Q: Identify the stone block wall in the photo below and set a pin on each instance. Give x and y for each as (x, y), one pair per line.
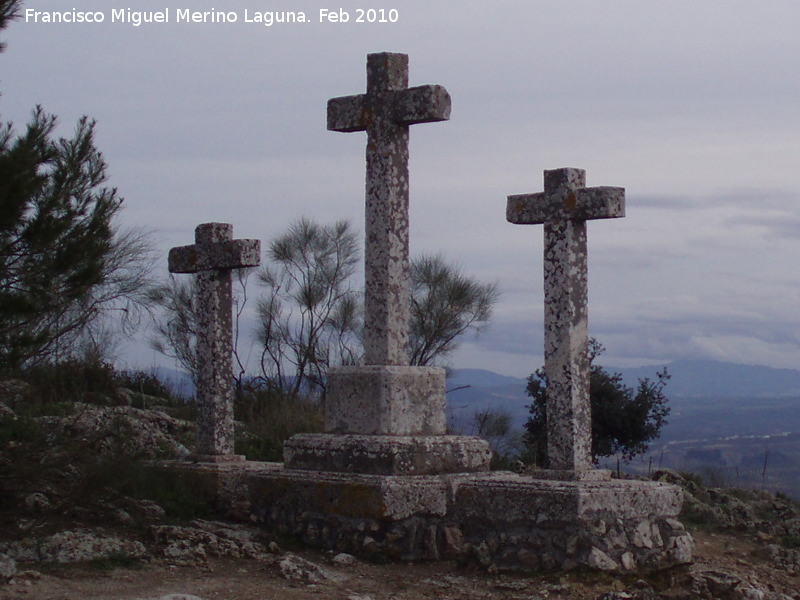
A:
(500, 521)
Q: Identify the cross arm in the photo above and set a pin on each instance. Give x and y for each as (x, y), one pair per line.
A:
(526, 209)
(422, 104)
(233, 254)
(348, 113)
(583, 204)
(600, 203)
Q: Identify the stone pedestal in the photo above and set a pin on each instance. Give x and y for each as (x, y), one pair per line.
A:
(386, 454)
(500, 521)
(571, 475)
(534, 524)
(386, 400)
(386, 420)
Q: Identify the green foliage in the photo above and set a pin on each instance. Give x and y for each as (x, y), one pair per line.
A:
(175, 333)
(692, 478)
(445, 304)
(624, 420)
(495, 426)
(270, 416)
(54, 230)
(72, 380)
(64, 264)
(8, 10)
(22, 430)
(88, 467)
(790, 541)
(308, 316)
(180, 494)
(145, 383)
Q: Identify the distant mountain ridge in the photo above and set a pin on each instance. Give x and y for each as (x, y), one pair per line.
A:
(710, 378)
(720, 390)
(688, 378)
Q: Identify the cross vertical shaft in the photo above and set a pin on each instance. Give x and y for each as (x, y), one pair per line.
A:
(387, 280)
(212, 258)
(385, 112)
(564, 207)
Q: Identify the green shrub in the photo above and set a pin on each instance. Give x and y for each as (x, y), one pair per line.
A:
(72, 380)
(270, 417)
(180, 494)
(791, 541)
(692, 478)
(21, 430)
(145, 383)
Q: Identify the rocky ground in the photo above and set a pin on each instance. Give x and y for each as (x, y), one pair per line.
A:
(73, 525)
(727, 567)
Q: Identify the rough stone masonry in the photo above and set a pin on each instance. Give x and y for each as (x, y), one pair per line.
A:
(212, 258)
(564, 207)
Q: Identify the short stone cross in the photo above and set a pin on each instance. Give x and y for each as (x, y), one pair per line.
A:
(212, 257)
(564, 207)
(385, 113)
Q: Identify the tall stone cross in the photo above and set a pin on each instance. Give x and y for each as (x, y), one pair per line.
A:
(564, 207)
(212, 257)
(385, 113)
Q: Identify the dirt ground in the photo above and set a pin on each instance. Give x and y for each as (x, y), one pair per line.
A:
(258, 580)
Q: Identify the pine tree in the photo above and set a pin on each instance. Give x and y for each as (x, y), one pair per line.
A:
(63, 261)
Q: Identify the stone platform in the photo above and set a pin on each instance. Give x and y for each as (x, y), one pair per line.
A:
(387, 454)
(499, 520)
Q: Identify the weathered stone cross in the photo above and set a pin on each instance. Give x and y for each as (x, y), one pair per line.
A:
(385, 113)
(564, 208)
(212, 257)
(387, 417)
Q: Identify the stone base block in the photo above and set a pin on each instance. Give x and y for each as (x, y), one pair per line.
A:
(219, 458)
(387, 455)
(565, 475)
(500, 521)
(386, 400)
(617, 525)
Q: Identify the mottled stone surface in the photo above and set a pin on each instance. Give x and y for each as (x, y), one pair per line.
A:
(618, 526)
(212, 257)
(385, 112)
(386, 396)
(564, 207)
(394, 400)
(501, 521)
(387, 454)
(526, 498)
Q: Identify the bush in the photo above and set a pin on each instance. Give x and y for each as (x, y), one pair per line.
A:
(624, 420)
(72, 380)
(145, 383)
(270, 417)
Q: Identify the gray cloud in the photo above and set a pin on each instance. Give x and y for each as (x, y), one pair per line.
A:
(687, 106)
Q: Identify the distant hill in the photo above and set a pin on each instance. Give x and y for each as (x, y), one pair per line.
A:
(736, 424)
(711, 378)
(707, 398)
(476, 390)
(178, 381)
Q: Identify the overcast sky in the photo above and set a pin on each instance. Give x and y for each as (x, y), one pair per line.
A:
(693, 107)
